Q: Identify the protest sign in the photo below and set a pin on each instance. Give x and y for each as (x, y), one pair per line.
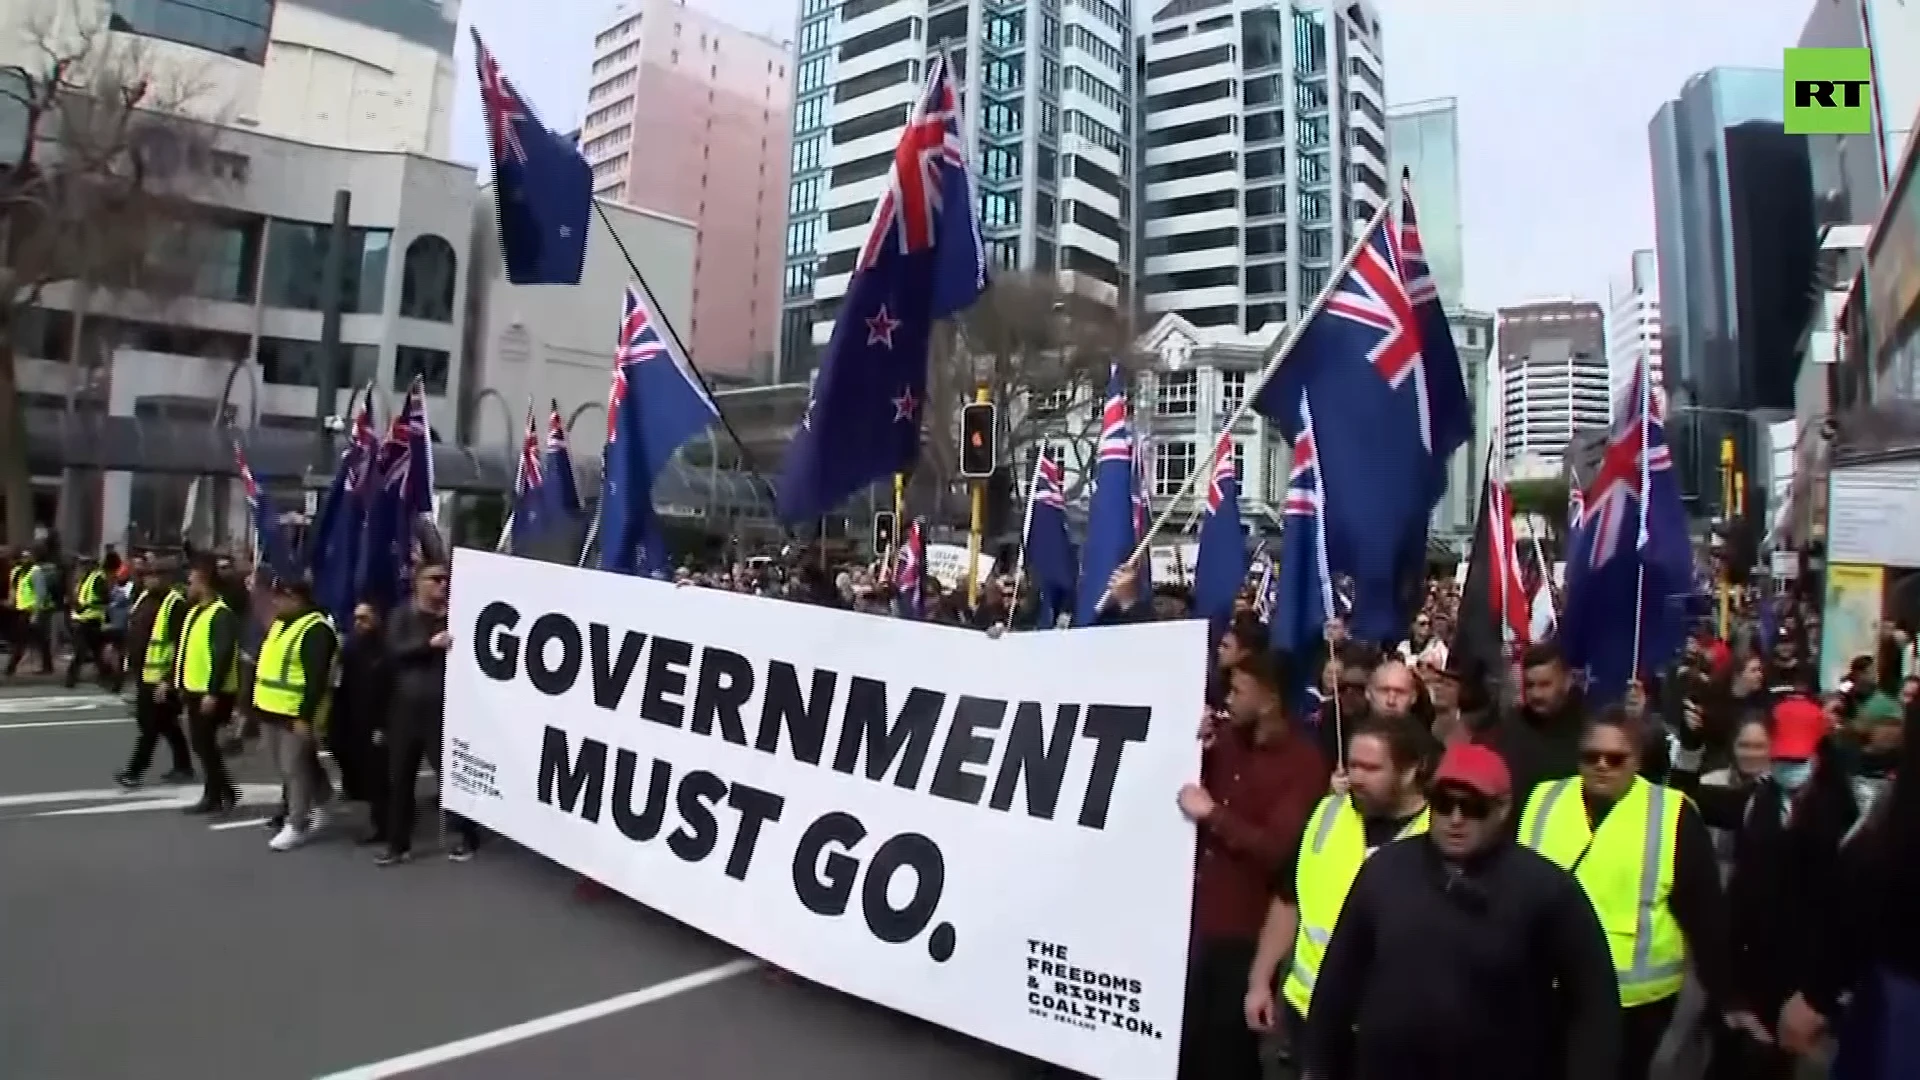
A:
(980, 832)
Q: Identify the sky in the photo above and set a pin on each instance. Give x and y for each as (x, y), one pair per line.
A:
(1554, 100)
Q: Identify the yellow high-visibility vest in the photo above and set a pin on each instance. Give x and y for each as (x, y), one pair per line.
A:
(1626, 869)
(1332, 850)
(90, 602)
(280, 678)
(160, 647)
(24, 597)
(195, 670)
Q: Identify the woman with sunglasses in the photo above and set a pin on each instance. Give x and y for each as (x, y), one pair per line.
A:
(1646, 861)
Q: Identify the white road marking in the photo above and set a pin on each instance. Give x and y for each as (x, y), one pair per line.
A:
(167, 799)
(151, 798)
(35, 725)
(45, 798)
(243, 823)
(66, 703)
(492, 1040)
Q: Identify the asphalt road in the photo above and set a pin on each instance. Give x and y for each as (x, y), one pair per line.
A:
(136, 942)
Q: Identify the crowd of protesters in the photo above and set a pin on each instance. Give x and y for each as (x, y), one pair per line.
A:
(1416, 868)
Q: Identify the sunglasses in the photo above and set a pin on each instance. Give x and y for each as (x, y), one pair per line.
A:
(1473, 807)
(1611, 759)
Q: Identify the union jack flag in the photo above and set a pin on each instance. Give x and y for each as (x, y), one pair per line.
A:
(362, 445)
(930, 145)
(909, 570)
(1637, 450)
(531, 465)
(1375, 297)
(639, 342)
(408, 431)
(1116, 436)
(1303, 479)
(1223, 473)
(504, 108)
(1049, 483)
(556, 432)
(247, 482)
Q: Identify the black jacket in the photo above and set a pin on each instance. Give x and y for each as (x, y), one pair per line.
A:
(1493, 971)
(366, 679)
(419, 670)
(1537, 747)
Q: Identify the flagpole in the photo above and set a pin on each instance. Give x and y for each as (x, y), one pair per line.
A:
(1640, 541)
(1026, 528)
(640, 282)
(1270, 364)
(519, 477)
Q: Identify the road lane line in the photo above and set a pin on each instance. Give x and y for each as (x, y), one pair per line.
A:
(31, 725)
(492, 1040)
(243, 823)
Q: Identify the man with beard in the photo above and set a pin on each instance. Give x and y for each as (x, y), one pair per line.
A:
(1381, 800)
(1541, 741)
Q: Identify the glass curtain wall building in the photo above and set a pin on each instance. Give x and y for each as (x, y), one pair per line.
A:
(1048, 95)
(1693, 244)
(1423, 139)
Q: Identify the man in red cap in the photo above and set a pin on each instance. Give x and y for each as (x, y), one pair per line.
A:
(1460, 955)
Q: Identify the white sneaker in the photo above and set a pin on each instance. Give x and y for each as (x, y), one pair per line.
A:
(316, 819)
(287, 839)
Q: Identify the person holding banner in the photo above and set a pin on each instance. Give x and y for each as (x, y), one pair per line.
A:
(1259, 781)
(417, 645)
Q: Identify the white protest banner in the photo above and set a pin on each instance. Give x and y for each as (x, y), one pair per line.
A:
(979, 832)
(947, 564)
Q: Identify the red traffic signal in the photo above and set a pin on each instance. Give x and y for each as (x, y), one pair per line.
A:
(977, 443)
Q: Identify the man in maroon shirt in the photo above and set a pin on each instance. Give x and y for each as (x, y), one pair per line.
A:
(1259, 782)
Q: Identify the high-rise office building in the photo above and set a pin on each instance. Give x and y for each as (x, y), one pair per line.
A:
(1049, 114)
(688, 116)
(1265, 144)
(1553, 380)
(1633, 322)
(1423, 140)
(1734, 241)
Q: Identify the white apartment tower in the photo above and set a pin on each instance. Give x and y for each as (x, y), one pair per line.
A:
(1047, 91)
(1633, 322)
(1553, 381)
(1264, 147)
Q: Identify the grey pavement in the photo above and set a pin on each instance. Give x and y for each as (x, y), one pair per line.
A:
(137, 942)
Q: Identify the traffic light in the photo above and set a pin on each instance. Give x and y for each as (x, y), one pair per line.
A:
(976, 440)
(882, 530)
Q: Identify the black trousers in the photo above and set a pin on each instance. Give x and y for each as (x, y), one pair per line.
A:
(362, 765)
(88, 638)
(1641, 1030)
(32, 630)
(157, 720)
(1216, 1043)
(203, 732)
(407, 750)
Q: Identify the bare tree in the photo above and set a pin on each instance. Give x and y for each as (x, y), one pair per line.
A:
(96, 193)
(1040, 352)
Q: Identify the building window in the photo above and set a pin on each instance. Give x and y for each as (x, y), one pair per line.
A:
(431, 365)
(236, 28)
(293, 362)
(426, 279)
(1233, 390)
(1173, 462)
(804, 196)
(297, 258)
(1177, 393)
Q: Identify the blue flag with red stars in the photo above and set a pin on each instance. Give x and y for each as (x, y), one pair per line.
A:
(923, 260)
(542, 186)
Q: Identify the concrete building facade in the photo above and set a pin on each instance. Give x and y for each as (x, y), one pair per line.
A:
(689, 116)
(1264, 150)
(1633, 322)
